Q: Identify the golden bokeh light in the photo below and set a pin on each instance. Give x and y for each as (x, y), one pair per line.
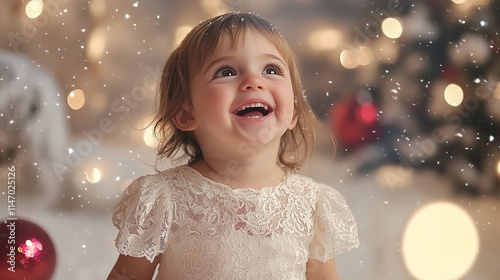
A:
(149, 137)
(392, 28)
(365, 55)
(94, 176)
(96, 44)
(34, 8)
(348, 59)
(181, 32)
(475, 3)
(464, 7)
(326, 39)
(353, 57)
(453, 94)
(498, 168)
(76, 99)
(97, 8)
(440, 242)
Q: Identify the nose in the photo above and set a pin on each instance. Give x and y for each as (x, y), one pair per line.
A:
(252, 82)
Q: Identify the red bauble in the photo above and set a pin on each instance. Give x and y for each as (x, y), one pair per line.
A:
(354, 122)
(26, 251)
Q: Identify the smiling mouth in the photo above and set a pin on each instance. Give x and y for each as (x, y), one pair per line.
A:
(253, 110)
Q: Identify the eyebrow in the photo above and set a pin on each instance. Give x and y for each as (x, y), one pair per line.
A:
(228, 57)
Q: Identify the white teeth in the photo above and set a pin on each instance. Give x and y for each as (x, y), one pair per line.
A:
(253, 105)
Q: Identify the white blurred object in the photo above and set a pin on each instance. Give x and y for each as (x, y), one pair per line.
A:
(33, 129)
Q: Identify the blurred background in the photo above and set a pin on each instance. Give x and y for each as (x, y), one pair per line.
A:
(410, 89)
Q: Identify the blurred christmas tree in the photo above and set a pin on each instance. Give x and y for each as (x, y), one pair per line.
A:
(434, 102)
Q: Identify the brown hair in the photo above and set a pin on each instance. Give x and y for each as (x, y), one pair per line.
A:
(184, 62)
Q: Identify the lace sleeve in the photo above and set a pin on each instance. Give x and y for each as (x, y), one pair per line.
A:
(335, 229)
(142, 217)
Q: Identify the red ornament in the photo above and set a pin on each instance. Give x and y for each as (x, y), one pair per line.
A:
(354, 121)
(26, 251)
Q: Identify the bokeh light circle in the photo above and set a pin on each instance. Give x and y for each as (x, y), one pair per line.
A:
(76, 99)
(34, 8)
(453, 94)
(94, 176)
(392, 28)
(440, 242)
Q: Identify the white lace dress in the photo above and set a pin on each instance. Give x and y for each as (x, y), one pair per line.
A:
(206, 230)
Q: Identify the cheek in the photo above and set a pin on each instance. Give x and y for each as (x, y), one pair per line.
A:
(217, 98)
(288, 103)
(210, 102)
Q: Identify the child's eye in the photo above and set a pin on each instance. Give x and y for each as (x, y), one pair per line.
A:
(273, 69)
(224, 71)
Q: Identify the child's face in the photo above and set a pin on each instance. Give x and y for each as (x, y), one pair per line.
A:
(242, 95)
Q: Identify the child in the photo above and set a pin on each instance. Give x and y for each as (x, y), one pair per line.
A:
(231, 100)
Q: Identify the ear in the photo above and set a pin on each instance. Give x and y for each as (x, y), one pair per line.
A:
(185, 121)
(295, 118)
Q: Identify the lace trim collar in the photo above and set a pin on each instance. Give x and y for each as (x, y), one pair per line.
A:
(285, 181)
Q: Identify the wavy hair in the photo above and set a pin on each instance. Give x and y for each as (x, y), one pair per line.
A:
(296, 145)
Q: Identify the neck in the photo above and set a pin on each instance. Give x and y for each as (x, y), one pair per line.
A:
(257, 171)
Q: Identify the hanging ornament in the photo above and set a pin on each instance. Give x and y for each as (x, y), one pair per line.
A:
(26, 251)
(354, 120)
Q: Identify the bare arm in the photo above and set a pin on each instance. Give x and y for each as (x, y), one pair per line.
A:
(318, 270)
(131, 268)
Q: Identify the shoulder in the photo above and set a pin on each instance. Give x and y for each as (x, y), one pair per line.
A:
(156, 183)
(143, 215)
(335, 226)
(304, 183)
(146, 194)
(307, 181)
(299, 180)
(325, 197)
